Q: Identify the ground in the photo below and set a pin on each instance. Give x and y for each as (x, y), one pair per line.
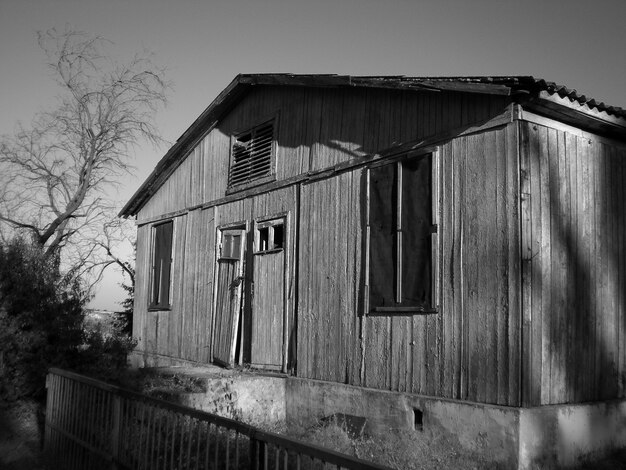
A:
(20, 436)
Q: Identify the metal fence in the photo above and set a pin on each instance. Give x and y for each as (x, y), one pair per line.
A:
(95, 425)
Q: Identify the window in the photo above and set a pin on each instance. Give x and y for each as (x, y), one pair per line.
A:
(252, 156)
(231, 245)
(401, 228)
(269, 236)
(161, 265)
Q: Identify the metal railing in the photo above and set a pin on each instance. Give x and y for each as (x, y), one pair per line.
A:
(94, 425)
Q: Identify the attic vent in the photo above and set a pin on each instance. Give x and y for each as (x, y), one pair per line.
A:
(252, 156)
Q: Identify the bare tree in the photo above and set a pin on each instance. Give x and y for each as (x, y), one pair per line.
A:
(55, 174)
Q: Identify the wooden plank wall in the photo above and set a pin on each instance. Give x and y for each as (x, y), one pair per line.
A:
(142, 288)
(463, 352)
(470, 349)
(329, 279)
(185, 330)
(318, 128)
(574, 266)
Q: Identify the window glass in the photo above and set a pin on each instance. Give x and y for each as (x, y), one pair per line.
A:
(161, 265)
(400, 220)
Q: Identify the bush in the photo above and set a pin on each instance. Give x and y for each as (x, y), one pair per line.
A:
(41, 313)
(41, 324)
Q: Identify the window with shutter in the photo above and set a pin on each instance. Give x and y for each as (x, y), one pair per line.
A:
(252, 157)
(161, 265)
(401, 229)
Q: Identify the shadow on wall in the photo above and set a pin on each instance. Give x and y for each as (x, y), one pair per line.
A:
(578, 267)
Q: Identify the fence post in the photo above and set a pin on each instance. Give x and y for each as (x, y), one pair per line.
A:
(257, 453)
(116, 431)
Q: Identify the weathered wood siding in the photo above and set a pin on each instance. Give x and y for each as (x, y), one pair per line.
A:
(470, 349)
(185, 331)
(318, 128)
(574, 268)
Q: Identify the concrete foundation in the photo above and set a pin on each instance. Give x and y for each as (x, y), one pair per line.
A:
(522, 438)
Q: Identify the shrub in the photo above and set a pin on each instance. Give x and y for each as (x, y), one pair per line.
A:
(41, 312)
(41, 325)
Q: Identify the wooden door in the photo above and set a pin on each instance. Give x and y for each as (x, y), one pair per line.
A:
(268, 294)
(230, 260)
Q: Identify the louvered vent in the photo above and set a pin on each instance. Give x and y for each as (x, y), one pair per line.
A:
(252, 155)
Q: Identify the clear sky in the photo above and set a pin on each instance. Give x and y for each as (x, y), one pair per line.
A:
(204, 44)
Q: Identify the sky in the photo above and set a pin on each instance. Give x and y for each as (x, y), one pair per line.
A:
(204, 44)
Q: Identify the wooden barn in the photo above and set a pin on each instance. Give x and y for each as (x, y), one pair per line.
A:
(460, 238)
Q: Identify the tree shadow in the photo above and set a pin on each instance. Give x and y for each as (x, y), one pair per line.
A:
(578, 268)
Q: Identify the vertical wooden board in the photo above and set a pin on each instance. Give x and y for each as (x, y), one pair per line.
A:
(193, 290)
(445, 232)
(457, 264)
(377, 353)
(571, 363)
(370, 121)
(267, 309)
(472, 252)
(142, 273)
(616, 224)
(199, 301)
(396, 118)
(303, 283)
(536, 260)
(450, 275)
(546, 348)
(557, 168)
(619, 223)
(588, 312)
(351, 137)
(172, 323)
(345, 281)
(188, 278)
(622, 254)
(514, 265)
(581, 271)
(526, 258)
(491, 227)
(603, 316)
(308, 313)
(314, 102)
(431, 346)
(327, 153)
(419, 354)
(292, 156)
(398, 346)
(501, 272)
(357, 239)
(470, 249)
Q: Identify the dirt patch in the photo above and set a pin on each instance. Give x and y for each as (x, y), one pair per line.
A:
(21, 425)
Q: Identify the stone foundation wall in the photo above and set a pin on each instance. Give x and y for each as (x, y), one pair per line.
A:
(522, 438)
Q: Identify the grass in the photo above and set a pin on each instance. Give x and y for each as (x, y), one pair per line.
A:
(397, 449)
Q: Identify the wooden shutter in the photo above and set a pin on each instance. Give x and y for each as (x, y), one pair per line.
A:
(252, 153)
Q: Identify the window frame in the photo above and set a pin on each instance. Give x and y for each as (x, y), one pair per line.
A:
(434, 306)
(269, 223)
(234, 188)
(155, 304)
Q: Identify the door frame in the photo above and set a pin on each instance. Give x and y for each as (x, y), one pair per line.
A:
(287, 247)
(239, 225)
